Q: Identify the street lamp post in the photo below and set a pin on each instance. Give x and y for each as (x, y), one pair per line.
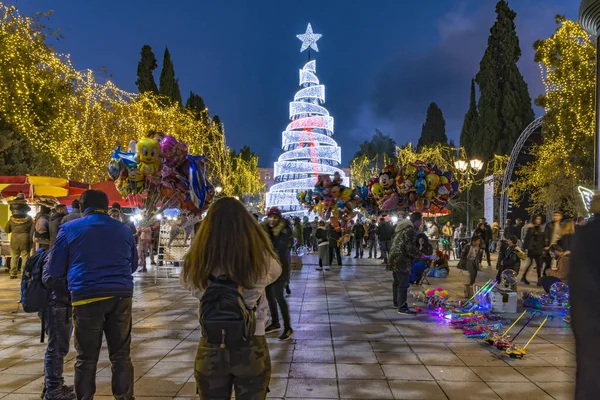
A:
(468, 170)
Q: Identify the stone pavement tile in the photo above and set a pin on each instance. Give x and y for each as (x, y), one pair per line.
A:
(11, 340)
(20, 352)
(305, 344)
(306, 356)
(180, 355)
(560, 360)
(545, 349)
(280, 369)
(36, 386)
(499, 374)
(8, 362)
(312, 370)
(312, 388)
(188, 389)
(422, 347)
(544, 374)
(168, 368)
(456, 374)
(21, 396)
(355, 357)
(167, 386)
(518, 391)
(440, 359)
(148, 354)
(395, 346)
(352, 345)
(571, 371)
(407, 372)
(365, 389)
(527, 361)
(397, 358)
(9, 383)
(560, 390)
(488, 360)
(410, 390)
(468, 391)
(277, 388)
(359, 371)
(26, 367)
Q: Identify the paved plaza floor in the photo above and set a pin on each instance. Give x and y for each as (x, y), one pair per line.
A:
(349, 343)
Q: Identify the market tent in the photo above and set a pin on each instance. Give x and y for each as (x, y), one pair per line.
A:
(113, 194)
(41, 186)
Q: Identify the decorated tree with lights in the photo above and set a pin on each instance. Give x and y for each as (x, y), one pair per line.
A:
(565, 158)
(309, 149)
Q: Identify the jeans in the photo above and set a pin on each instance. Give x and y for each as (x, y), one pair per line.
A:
(59, 328)
(485, 249)
(385, 246)
(247, 369)
(400, 289)
(335, 248)
(359, 247)
(472, 268)
(538, 266)
(276, 298)
(16, 254)
(113, 318)
(372, 247)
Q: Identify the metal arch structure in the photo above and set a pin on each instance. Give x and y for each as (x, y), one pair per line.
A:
(514, 154)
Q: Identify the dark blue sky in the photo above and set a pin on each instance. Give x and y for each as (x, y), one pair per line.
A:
(382, 62)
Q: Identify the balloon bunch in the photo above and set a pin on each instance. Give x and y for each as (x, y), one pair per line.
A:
(413, 187)
(331, 200)
(162, 174)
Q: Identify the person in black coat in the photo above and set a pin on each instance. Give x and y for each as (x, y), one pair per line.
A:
(584, 278)
(334, 235)
(484, 231)
(534, 244)
(510, 258)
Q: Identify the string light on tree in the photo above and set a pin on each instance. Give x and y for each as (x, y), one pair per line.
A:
(307, 142)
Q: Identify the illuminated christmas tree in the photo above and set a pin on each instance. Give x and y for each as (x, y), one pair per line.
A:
(307, 143)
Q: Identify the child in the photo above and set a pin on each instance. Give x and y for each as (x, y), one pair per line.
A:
(469, 262)
(510, 258)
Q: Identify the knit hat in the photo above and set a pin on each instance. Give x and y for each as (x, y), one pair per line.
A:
(274, 211)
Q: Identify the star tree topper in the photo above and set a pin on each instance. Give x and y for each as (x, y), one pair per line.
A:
(309, 39)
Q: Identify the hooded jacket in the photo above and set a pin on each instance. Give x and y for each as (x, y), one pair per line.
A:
(54, 225)
(20, 230)
(404, 247)
(281, 239)
(97, 255)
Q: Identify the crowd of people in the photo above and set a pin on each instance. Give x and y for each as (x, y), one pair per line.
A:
(238, 267)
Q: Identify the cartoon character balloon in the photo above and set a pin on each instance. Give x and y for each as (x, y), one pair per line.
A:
(148, 156)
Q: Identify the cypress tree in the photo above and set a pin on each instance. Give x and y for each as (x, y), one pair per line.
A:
(169, 87)
(146, 66)
(504, 104)
(195, 103)
(469, 128)
(434, 128)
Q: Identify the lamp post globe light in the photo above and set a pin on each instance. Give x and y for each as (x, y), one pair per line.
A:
(467, 171)
(589, 18)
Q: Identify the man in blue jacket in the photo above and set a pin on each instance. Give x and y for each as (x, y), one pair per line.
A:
(97, 255)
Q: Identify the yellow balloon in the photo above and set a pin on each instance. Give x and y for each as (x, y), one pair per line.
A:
(443, 180)
(432, 181)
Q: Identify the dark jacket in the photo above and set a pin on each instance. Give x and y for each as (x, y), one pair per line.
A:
(321, 235)
(534, 241)
(427, 247)
(404, 249)
(509, 230)
(584, 280)
(517, 231)
(96, 254)
(54, 225)
(333, 236)
(462, 263)
(75, 214)
(20, 230)
(281, 238)
(510, 259)
(372, 232)
(359, 231)
(385, 231)
(307, 231)
(548, 230)
(566, 242)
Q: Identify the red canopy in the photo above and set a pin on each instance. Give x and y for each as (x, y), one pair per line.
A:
(113, 194)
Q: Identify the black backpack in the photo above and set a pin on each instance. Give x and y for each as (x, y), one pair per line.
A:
(34, 295)
(224, 317)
